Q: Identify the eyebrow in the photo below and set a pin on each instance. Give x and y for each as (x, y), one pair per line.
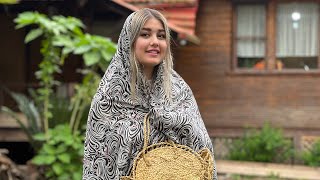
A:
(149, 29)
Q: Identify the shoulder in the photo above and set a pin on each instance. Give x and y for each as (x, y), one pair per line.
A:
(179, 83)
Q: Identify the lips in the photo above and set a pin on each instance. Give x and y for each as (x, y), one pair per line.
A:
(153, 51)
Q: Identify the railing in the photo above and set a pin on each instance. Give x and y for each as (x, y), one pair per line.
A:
(64, 90)
(10, 130)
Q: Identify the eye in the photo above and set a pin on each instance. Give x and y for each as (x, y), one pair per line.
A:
(144, 35)
(162, 36)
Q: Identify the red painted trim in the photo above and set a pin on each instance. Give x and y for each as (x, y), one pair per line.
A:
(177, 19)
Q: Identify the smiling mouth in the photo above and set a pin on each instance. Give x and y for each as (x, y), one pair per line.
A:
(153, 52)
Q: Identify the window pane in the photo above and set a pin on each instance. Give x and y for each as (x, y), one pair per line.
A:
(256, 63)
(297, 35)
(305, 63)
(251, 21)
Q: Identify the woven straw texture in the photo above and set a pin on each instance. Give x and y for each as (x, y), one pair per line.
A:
(170, 161)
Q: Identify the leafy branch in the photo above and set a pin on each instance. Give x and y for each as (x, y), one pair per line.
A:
(62, 36)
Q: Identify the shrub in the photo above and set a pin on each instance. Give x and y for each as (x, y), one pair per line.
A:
(312, 157)
(265, 145)
(61, 153)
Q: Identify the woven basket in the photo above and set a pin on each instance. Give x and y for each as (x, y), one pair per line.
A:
(170, 161)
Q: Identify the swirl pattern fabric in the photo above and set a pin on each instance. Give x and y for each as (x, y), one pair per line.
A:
(114, 133)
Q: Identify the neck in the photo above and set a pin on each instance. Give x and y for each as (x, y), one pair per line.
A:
(148, 72)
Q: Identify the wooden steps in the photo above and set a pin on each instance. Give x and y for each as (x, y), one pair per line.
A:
(10, 130)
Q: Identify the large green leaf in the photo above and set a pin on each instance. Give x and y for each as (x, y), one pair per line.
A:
(40, 137)
(82, 49)
(91, 58)
(57, 168)
(43, 159)
(77, 175)
(107, 55)
(24, 19)
(65, 158)
(63, 41)
(46, 23)
(70, 23)
(33, 34)
(28, 108)
(49, 149)
(66, 50)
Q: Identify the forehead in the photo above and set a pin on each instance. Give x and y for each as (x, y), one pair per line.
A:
(153, 23)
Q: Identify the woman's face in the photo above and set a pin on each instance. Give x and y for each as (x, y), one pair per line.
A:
(150, 46)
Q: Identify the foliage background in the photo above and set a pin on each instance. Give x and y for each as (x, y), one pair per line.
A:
(55, 126)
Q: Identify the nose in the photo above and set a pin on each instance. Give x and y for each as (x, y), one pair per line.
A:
(154, 41)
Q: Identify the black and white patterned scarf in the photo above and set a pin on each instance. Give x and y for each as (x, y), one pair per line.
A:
(115, 123)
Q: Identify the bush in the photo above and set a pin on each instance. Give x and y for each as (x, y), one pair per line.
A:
(312, 157)
(265, 145)
(61, 153)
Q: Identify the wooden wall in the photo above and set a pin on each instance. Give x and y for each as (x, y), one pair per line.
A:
(229, 101)
(12, 64)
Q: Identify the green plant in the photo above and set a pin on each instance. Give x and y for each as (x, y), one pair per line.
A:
(273, 176)
(81, 100)
(62, 36)
(240, 177)
(61, 153)
(266, 145)
(60, 149)
(9, 1)
(60, 109)
(312, 157)
(52, 60)
(30, 110)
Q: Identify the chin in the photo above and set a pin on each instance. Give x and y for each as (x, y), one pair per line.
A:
(153, 62)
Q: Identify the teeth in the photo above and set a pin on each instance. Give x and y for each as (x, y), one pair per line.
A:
(153, 51)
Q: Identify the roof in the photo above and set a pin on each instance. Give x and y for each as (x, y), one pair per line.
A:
(181, 14)
(162, 1)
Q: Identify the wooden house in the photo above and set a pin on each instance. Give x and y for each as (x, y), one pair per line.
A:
(256, 61)
(247, 61)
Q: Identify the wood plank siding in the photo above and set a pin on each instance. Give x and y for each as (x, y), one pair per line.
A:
(229, 100)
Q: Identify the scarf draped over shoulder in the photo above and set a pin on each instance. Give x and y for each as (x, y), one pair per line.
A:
(114, 133)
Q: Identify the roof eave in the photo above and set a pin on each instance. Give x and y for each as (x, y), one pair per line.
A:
(182, 33)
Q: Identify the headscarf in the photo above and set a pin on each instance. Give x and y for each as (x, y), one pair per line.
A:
(114, 133)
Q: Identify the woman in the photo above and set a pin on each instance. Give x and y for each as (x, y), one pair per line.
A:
(140, 80)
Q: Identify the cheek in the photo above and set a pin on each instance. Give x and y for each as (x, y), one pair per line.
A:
(164, 48)
(140, 43)
(138, 47)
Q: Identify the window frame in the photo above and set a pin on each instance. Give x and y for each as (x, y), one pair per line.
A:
(270, 39)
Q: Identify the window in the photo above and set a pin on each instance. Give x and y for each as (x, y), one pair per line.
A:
(276, 36)
(297, 35)
(250, 35)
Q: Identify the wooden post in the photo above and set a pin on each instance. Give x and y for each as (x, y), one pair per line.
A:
(271, 35)
(234, 61)
(318, 53)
